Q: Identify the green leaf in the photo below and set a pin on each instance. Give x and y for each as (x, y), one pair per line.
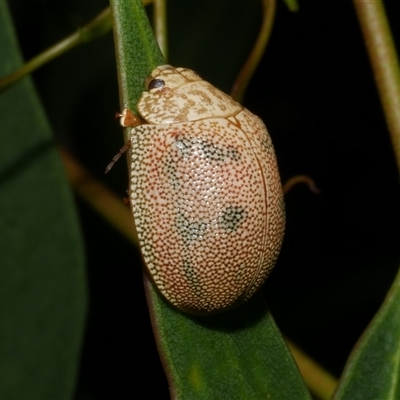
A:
(373, 370)
(42, 293)
(136, 49)
(239, 354)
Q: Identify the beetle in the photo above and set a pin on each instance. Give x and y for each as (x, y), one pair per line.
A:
(205, 192)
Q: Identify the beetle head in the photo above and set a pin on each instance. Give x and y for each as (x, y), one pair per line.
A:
(166, 77)
(179, 95)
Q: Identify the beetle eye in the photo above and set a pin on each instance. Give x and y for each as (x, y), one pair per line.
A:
(155, 84)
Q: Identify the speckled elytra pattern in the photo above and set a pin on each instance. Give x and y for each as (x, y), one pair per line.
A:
(205, 193)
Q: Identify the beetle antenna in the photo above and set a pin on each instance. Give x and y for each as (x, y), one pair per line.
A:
(122, 150)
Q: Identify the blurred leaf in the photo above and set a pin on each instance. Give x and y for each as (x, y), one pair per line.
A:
(42, 293)
(292, 5)
(238, 354)
(373, 370)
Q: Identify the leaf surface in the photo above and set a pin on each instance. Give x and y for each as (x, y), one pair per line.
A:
(373, 369)
(42, 292)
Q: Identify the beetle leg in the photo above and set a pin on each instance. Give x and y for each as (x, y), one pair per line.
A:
(122, 150)
(127, 119)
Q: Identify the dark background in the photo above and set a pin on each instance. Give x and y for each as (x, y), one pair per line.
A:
(315, 91)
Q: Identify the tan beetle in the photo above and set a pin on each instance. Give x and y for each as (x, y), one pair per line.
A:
(205, 192)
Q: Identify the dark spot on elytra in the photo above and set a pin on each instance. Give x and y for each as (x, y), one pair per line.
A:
(232, 217)
(170, 170)
(184, 145)
(188, 268)
(190, 231)
(192, 278)
(209, 150)
(216, 153)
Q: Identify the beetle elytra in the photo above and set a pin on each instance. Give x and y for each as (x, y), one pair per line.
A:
(205, 192)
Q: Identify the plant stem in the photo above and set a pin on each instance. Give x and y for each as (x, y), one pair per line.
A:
(247, 71)
(99, 197)
(96, 28)
(384, 62)
(320, 382)
(295, 180)
(160, 26)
